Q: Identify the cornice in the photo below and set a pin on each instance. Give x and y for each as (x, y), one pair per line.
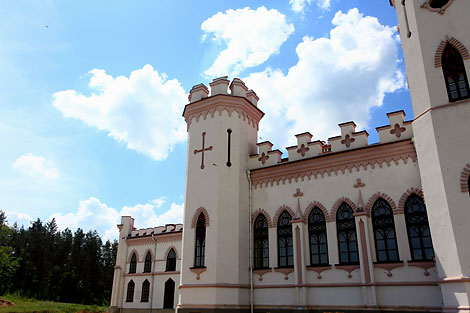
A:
(337, 163)
(160, 238)
(219, 103)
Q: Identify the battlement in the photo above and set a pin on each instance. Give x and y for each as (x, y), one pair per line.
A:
(127, 228)
(350, 139)
(221, 86)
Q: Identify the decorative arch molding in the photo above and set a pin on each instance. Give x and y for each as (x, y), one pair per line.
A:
(404, 197)
(196, 215)
(441, 10)
(314, 204)
(377, 196)
(151, 254)
(464, 176)
(455, 43)
(281, 209)
(165, 256)
(338, 204)
(129, 257)
(255, 214)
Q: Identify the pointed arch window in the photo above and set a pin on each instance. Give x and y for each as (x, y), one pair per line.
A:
(148, 263)
(284, 240)
(347, 237)
(145, 291)
(171, 261)
(384, 232)
(317, 237)
(417, 225)
(200, 249)
(261, 242)
(454, 74)
(130, 291)
(133, 264)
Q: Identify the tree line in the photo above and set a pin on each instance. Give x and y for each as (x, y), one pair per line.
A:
(44, 263)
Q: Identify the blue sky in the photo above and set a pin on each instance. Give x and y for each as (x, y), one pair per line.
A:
(91, 93)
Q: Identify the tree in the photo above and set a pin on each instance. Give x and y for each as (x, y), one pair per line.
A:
(8, 261)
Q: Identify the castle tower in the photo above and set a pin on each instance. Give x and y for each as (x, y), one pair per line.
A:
(435, 38)
(222, 134)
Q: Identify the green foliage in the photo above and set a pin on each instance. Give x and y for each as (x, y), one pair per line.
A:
(23, 304)
(44, 263)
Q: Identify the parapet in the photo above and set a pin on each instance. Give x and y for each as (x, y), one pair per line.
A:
(220, 86)
(350, 139)
(156, 231)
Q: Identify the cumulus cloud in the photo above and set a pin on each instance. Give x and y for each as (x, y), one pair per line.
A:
(36, 166)
(18, 217)
(142, 110)
(299, 5)
(336, 79)
(251, 36)
(92, 214)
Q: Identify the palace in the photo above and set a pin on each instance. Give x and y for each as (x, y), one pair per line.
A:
(341, 225)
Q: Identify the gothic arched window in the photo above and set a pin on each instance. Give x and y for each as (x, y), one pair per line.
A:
(454, 74)
(417, 225)
(130, 291)
(148, 263)
(284, 240)
(347, 237)
(200, 250)
(145, 291)
(317, 237)
(384, 232)
(261, 242)
(171, 261)
(133, 265)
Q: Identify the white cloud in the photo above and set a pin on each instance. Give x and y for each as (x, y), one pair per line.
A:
(142, 110)
(251, 36)
(299, 5)
(36, 166)
(18, 217)
(92, 214)
(336, 79)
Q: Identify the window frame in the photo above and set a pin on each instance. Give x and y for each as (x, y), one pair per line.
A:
(261, 235)
(385, 223)
(145, 295)
(148, 262)
(344, 206)
(133, 264)
(424, 223)
(317, 228)
(130, 292)
(451, 66)
(284, 232)
(200, 242)
(171, 261)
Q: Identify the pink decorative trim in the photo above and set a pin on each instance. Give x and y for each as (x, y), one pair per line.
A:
(167, 273)
(130, 256)
(203, 149)
(285, 271)
(196, 215)
(219, 103)
(255, 214)
(423, 265)
(298, 254)
(117, 267)
(452, 41)
(319, 269)
(168, 237)
(464, 178)
(347, 141)
(338, 204)
(397, 130)
(198, 271)
(314, 204)
(335, 164)
(168, 251)
(427, 5)
(376, 196)
(279, 211)
(263, 158)
(302, 150)
(152, 257)
(458, 279)
(261, 272)
(404, 197)
(365, 256)
(389, 267)
(348, 268)
(214, 286)
(358, 284)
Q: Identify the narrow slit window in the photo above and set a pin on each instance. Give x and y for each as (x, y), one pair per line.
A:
(200, 250)
(229, 139)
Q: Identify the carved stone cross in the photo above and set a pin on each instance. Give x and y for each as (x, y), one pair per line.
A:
(202, 150)
(302, 150)
(347, 141)
(397, 130)
(263, 158)
(359, 184)
(298, 193)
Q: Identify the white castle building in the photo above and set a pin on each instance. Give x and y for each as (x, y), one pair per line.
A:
(336, 226)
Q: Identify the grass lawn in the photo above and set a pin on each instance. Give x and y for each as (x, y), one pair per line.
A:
(32, 305)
